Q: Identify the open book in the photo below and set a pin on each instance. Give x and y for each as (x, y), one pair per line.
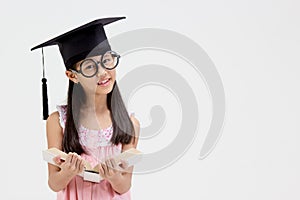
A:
(130, 156)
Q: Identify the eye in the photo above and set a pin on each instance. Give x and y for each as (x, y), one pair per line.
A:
(106, 60)
(89, 67)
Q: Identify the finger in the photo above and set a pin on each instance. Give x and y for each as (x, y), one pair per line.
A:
(72, 158)
(68, 158)
(101, 171)
(108, 166)
(113, 165)
(77, 162)
(81, 165)
(104, 167)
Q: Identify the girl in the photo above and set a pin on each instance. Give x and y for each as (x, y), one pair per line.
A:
(94, 125)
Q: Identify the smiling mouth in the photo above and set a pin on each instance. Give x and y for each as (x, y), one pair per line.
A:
(104, 82)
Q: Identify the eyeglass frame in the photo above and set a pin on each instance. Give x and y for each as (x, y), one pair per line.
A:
(115, 54)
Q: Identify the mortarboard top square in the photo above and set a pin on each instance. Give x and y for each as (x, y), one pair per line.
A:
(87, 40)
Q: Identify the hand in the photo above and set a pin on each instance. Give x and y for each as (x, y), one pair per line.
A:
(72, 166)
(110, 170)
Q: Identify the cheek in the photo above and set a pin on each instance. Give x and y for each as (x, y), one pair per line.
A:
(113, 74)
(88, 83)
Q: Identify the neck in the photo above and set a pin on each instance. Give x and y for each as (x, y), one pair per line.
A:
(96, 103)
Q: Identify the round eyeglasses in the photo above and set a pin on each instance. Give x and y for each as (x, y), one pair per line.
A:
(89, 67)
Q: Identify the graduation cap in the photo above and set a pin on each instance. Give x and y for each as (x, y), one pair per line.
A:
(75, 45)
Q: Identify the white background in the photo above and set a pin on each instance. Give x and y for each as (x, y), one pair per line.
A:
(254, 45)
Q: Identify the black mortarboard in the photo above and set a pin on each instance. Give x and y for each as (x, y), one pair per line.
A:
(75, 45)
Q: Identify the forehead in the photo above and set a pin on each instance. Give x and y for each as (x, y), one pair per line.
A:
(97, 58)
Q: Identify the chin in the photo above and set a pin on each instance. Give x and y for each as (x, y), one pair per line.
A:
(104, 90)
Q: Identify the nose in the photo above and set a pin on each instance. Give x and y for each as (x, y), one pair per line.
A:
(101, 71)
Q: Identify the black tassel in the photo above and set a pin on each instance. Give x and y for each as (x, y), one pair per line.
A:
(44, 91)
(45, 99)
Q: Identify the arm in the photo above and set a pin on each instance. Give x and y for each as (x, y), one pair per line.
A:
(121, 181)
(59, 177)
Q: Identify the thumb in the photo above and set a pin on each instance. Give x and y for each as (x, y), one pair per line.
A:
(57, 160)
(124, 164)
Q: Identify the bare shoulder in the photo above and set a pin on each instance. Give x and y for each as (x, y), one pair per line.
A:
(136, 126)
(135, 121)
(54, 131)
(53, 121)
(53, 117)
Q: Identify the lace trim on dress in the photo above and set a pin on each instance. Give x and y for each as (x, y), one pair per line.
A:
(95, 138)
(87, 137)
(62, 110)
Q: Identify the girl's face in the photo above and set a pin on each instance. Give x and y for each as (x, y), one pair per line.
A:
(101, 83)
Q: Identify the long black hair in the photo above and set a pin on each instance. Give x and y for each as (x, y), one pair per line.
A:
(123, 130)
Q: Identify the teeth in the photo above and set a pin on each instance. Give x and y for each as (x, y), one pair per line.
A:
(105, 81)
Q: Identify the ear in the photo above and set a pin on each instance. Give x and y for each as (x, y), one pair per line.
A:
(72, 76)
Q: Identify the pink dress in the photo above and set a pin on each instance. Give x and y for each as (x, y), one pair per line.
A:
(97, 144)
